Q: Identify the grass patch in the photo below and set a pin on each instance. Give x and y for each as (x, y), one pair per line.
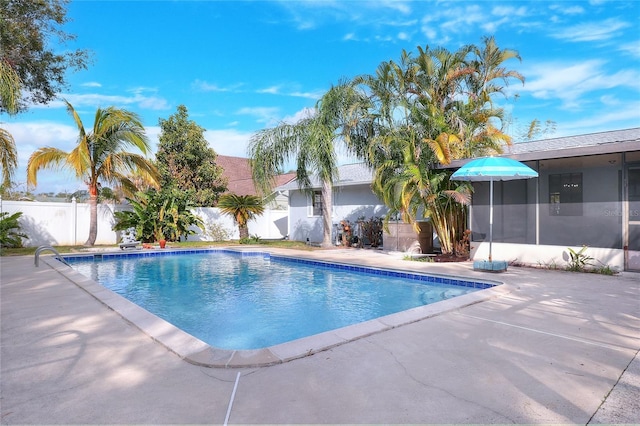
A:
(26, 251)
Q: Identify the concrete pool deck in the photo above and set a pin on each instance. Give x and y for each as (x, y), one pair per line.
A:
(556, 347)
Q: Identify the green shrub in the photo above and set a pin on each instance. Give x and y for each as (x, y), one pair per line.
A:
(159, 215)
(254, 239)
(579, 260)
(10, 235)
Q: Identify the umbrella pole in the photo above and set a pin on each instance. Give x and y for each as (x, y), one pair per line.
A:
(490, 216)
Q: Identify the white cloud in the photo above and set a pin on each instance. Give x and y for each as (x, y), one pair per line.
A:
(624, 117)
(492, 26)
(91, 84)
(204, 86)
(509, 11)
(349, 36)
(228, 142)
(280, 90)
(567, 10)
(263, 114)
(299, 115)
(462, 19)
(592, 31)
(570, 82)
(400, 6)
(96, 100)
(273, 90)
(308, 95)
(632, 48)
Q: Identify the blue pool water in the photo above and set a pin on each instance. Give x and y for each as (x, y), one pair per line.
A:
(249, 301)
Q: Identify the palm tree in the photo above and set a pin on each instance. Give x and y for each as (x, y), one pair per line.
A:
(10, 87)
(311, 142)
(9, 96)
(242, 208)
(425, 112)
(100, 155)
(8, 157)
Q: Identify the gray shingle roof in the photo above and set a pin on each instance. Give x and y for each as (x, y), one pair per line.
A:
(581, 141)
(349, 174)
(625, 140)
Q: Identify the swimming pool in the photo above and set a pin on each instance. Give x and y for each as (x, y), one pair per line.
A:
(250, 300)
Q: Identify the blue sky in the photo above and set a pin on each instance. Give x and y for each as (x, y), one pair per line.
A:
(240, 66)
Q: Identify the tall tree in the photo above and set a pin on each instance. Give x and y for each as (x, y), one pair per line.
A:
(10, 89)
(100, 155)
(311, 142)
(185, 160)
(30, 33)
(242, 208)
(426, 111)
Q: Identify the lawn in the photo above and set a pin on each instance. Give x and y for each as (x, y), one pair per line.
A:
(25, 251)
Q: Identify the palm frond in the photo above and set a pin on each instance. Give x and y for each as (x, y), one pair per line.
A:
(45, 158)
(8, 156)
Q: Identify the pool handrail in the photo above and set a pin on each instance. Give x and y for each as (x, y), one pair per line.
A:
(40, 249)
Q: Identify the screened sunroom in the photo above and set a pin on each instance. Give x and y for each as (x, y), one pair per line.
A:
(587, 194)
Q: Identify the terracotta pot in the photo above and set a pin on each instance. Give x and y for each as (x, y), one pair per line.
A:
(163, 243)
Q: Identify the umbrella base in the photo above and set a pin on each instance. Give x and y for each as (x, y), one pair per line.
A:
(490, 266)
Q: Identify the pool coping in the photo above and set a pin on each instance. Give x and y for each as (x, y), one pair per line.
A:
(195, 351)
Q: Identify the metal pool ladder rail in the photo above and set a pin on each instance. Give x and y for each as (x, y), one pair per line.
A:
(45, 248)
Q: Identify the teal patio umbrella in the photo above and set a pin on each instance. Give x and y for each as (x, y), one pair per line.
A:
(491, 169)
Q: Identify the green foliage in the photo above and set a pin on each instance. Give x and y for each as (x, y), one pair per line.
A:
(242, 208)
(159, 215)
(107, 194)
(424, 259)
(33, 42)
(254, 239)
(605, 270)
(10, 87)
(428, 110)
(185, 160)
(311, 142)
(10, 91)
(579, 260)
(534, 130)
(8, 159)
(10, 235)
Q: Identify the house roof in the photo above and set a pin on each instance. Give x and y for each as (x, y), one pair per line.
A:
(625, 140)
(572, 146)
(349, 174)
(237, 170)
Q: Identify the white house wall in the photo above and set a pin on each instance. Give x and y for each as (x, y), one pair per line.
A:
(546, 256)
(349, 202)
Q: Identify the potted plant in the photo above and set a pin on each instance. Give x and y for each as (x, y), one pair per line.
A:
(161, 240)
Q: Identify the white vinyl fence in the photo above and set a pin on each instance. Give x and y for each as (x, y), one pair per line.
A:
(47, 223)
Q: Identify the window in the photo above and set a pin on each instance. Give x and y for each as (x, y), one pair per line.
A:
(565, 194)
(315, 206)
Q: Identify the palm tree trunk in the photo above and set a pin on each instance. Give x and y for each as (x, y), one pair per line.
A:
(93, 218)
(327, 208)
(243, 230)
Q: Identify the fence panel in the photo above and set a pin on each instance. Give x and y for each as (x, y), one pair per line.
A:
(52, 223)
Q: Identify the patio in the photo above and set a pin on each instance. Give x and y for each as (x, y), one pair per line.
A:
(550, 350)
